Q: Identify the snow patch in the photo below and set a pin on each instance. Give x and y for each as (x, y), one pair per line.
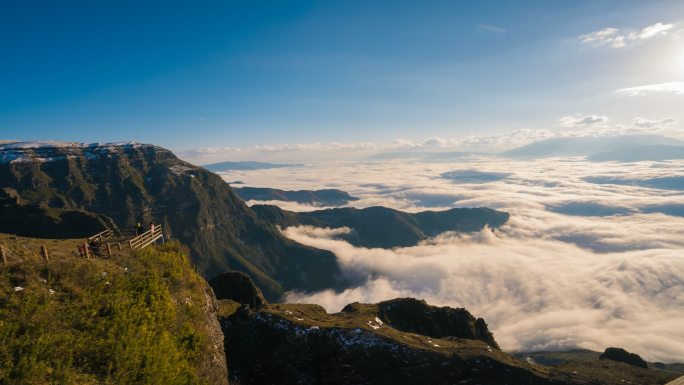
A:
(178, 169)
(50, 151)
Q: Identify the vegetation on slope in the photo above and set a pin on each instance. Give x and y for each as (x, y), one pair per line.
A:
(135, 319)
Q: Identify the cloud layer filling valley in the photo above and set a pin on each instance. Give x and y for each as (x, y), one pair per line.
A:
(559, 275)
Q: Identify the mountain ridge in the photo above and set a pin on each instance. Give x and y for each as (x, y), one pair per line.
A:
(384, 227)
(133, 182)
(586, 145)
(325, 197)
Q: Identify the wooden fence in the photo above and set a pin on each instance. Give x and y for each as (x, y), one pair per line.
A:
(103, 243)
(147, 238)
(101, 236)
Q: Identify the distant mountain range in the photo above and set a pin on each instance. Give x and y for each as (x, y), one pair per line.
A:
(625, 148)
(243, 166)
(675, 183)
(385, 227)
(422, 155)
(328, 197)
(655, 152)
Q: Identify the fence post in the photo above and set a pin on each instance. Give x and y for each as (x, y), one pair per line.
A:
(87, 250)
(3, 254)
(118, 246)
(44, 252)
(109, 250)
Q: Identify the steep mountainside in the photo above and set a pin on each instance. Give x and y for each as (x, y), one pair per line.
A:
(329, 197)
(131, 182)
(384, 227)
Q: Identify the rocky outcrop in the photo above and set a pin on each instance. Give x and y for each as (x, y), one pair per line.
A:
(237, 286)
(621, 355)
(367, 344)
(301, 344)
(213, 367)
(416, 316)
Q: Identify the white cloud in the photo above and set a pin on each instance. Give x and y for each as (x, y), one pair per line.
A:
(619, 38)
(603, 36)
(547, 280)
(491, 28)
(676, 88)
(583, 121)
(654, 30)
(653, 123)
(573, 125)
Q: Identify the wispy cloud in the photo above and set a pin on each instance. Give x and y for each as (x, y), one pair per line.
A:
(573, 125)
(653, 123)
(676, 88)
(583, 121)
(621, 38)
(491, 28)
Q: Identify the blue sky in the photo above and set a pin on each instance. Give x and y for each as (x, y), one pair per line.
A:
(242, 73)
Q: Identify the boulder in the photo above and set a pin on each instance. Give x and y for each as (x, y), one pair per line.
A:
(621, 355)
(239, 287)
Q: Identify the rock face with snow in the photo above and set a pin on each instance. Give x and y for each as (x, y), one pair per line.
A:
(50, 151)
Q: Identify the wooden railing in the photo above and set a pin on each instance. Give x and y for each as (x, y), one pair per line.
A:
(101, 236)
(147, 238)
(104, 243)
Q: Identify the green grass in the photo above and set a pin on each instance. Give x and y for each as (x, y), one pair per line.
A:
(133, 319)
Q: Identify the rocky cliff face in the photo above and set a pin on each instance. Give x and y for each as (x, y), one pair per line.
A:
(410, 315)
(214, 366)
(131, 182)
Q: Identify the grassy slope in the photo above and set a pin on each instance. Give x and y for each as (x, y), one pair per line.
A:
(132, 319)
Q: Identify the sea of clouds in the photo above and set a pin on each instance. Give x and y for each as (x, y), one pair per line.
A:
(582, 262)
